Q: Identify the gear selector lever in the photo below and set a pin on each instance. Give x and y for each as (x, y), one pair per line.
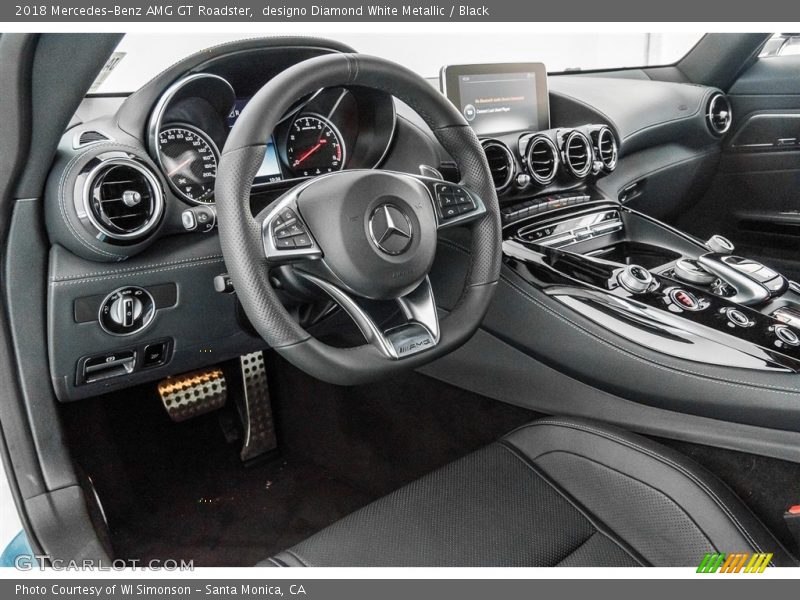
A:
(752, 282)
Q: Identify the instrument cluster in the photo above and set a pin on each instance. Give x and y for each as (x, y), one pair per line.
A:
(330, 130)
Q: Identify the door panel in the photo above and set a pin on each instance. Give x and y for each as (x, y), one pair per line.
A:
(754, 198)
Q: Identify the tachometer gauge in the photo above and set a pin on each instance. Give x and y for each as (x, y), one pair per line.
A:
(189, 159)
(314, 146)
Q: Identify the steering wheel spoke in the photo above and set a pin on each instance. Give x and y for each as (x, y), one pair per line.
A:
(420, 331)
(286, 237)
(455, 204)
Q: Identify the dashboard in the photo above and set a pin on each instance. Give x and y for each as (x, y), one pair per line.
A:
(137, 290)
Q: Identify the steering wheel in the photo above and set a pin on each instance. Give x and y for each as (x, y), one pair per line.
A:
(358, 233)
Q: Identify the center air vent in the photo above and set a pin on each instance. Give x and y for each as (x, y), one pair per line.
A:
(578, 154)
(501, 163)
(719, 114)
(123, 199)
(542, 159)
(606, 146)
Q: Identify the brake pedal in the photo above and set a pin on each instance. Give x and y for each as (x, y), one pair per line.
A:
(255, 408)
(192, 394)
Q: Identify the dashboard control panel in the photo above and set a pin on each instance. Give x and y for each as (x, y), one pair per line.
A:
(571, 230)
(123, 361)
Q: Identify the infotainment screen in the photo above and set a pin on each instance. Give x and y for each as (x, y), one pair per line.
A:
(270, 169)
(499, 98)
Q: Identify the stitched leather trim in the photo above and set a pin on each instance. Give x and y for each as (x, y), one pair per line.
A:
(597, 524)
(655, 455)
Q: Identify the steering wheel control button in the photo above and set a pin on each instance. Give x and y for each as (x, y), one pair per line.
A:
(635, 278)
(787, 335)
(737, 318)
(453, 201)
(390, 229)
(126, 311)
(288, 232)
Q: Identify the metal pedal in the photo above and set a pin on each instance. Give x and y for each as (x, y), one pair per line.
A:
(255, 408)
(192, 394)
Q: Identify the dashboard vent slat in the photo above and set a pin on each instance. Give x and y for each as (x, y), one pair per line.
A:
(542, 159)
(606, 148)
(578, 154)
(501, 163)
(718, 114)
(124, 199)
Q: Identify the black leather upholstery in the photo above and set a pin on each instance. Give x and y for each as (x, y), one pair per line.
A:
(557, 492)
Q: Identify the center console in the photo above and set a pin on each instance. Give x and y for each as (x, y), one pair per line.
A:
(628, 273)
(659, 287)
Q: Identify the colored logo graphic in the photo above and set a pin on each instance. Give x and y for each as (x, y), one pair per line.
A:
(742, 562)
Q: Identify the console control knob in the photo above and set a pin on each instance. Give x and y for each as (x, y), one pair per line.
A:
(691, 271)
(523, 180)
(787, 335)
(635, 279)
(126, 310)
(719, 244)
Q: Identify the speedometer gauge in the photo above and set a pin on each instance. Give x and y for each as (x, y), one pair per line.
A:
(189, 159)
(314, 146)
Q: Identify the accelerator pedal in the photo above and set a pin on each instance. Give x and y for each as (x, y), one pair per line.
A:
(255, 408)
(192, 394)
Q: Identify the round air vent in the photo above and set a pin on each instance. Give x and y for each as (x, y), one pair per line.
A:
(542, 159)
(719, 114)
(606, 146)
(123, 199)
(501, 163)
(578, 154)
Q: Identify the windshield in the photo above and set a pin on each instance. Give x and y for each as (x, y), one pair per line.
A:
(140, 57)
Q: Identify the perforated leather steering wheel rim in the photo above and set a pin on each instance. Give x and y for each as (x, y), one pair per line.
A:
(241, 235)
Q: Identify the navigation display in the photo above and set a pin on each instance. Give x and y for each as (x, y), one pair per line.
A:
(499, 98)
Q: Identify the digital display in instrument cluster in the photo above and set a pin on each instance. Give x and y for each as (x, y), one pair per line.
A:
(270, 169)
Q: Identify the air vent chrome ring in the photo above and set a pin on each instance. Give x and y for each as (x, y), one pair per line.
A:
(538, 167)
(510, 164)
(607, 151)
(719, 114)
(573, 144)
(129, 198)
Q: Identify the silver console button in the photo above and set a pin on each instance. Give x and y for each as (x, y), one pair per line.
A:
(691, 271)
(717, 243)
(738, 318)
(635, 279)
(787, 335)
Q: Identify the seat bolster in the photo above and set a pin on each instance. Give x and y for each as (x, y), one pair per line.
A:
(665, 506)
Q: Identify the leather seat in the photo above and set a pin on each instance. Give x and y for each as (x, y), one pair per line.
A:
(556, 492)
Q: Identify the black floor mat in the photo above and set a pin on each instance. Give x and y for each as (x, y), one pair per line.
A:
(178, 490)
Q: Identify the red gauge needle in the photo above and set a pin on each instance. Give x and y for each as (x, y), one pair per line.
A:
(180, 166)
(310, 151)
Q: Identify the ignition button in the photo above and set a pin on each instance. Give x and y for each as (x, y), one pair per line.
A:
(685, 300)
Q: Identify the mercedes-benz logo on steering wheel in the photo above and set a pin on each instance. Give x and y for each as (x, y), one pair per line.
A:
(390, 229)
